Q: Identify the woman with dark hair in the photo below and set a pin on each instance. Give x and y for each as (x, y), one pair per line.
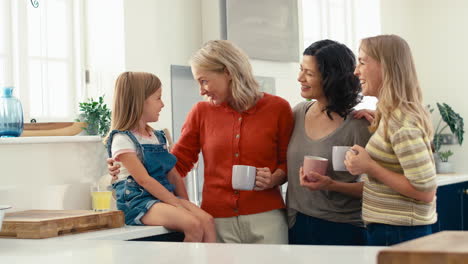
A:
(327, 210)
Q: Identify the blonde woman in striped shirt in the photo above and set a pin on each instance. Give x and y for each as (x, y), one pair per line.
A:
(399, 183)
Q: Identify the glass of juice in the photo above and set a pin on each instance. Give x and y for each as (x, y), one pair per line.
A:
(101, 198)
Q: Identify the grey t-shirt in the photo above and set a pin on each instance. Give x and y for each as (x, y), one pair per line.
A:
(323, 204)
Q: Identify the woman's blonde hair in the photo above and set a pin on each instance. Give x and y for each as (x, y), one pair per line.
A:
(222, 55)
(400, 87)
(130, 92)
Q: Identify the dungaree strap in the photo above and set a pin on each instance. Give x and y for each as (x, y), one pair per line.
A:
(131, 136)
(160, 136)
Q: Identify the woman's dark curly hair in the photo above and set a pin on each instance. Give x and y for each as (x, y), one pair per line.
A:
(336, 64)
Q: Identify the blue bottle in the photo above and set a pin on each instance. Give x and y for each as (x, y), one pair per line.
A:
(11, 114)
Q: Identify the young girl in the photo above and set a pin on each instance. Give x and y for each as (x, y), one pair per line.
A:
(399, 190)
(146, 186)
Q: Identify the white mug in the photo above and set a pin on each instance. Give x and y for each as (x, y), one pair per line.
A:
(243, 177)
(338, 157)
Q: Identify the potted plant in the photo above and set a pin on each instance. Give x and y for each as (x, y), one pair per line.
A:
(97, 116)
(443, 165)
(453, 121)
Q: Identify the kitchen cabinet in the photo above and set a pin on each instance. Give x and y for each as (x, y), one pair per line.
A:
(452, 207)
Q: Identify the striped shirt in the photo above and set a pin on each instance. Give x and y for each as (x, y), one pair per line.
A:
(404, 149)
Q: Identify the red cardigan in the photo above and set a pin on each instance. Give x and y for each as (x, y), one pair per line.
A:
(258, 137)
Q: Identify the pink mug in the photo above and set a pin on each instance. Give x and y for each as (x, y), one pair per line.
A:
(315, 164)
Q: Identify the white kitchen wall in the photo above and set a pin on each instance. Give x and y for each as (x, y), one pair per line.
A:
(158, 34)
(436, 32)
(285, 74)
(50, 172)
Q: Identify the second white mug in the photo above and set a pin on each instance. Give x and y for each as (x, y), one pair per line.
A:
(338, 157)
(243, 177)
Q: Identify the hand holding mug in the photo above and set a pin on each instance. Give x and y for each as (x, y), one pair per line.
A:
(263, 179)
(358, 160)
(315, 164)
(320, 182)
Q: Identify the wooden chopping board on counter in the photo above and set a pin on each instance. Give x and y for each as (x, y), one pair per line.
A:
(443, 247)
(52, 223)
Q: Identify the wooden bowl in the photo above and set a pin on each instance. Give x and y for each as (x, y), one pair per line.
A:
(3, 208)
(52, 129)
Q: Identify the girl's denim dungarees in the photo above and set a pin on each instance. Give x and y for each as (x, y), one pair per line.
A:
(132, 199)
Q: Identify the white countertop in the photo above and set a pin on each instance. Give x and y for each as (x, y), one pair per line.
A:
(446, 179)
(103, 252)
(49, 140)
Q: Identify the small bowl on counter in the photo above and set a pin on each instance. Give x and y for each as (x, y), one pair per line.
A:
(3, 208)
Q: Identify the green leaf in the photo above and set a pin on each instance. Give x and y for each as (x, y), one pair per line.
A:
(437, 142)
(453, 120)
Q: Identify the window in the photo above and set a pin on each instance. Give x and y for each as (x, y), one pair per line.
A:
(5, 46)
(40, 55)
(346, 21)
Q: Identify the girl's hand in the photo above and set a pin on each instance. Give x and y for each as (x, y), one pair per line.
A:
(358, 161)
(365, 113)
(113, 169)
(314, 181)
(264, 179)
(178, 204)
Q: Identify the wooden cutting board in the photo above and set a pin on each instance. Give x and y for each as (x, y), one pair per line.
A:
(443, 247)
(52, 223)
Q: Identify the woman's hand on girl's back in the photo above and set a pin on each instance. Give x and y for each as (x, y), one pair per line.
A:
(113, 169)
(358, 161)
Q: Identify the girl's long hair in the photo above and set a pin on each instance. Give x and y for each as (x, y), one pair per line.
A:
(130, 93)
(222, 55)
(400, 87)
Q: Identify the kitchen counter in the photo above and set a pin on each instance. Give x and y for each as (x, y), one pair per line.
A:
(103, 252)
(121, 233)
(107, 246)
(446, 179)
